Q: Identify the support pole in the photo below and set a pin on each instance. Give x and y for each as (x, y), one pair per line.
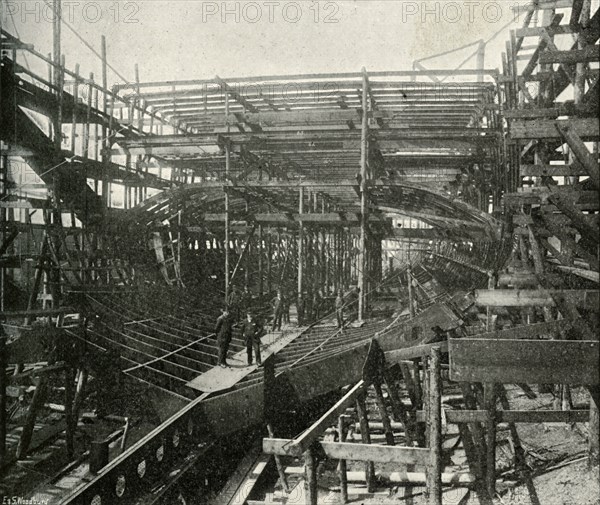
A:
(362, 279)
(227, 166)
(310, 474)
(434, 475)
(69, 405)
(490, 435)
(361, 408)
(479, 444)
(38, 400)
(278, 463)
(512, 427)
(105, 132)
(75, 107)
(300, 243)
(387, 426)
(3, 384)
(342, 466)
(411, 302)
(593, 428)
(86, 126)
(57, 72)
(260, 259)
(80, 392)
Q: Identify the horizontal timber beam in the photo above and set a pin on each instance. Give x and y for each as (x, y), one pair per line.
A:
(534, 298)
(358, 452)
(586, 128)
(524, 361)
(513, 416)
(585, 55)
(552, 170)
(417, 351)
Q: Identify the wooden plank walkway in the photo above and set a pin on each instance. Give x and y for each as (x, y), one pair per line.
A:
(219, 379)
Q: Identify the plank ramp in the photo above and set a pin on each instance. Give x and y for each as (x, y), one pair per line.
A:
(219, 379)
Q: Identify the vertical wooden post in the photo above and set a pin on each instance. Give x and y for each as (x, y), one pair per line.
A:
(490, 436)
(38, 399)
(86, 126)
(475, 429)
(594, 431)
(96, 93)
(300, 242)
(69, 404)
(518, 448)
(405, 368)
(426, 400)
(227, 166)
(417, 382)
(434, 474)
(385, 419)
(260, 259)
(3, 384)
(342, 466)
(81, 380)
(310, 473)
(278, 463)
(362, 278)
(491, 285)
(56, 20)
(3, 219)
(361, 408)
(105, 132)
(75, 108)
(411, 302)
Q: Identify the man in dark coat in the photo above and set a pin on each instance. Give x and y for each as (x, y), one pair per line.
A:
(246, 300)
(234, 303)
(252, 331)
(223, 331)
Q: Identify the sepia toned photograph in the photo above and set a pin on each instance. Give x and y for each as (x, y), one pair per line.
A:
(299, 252)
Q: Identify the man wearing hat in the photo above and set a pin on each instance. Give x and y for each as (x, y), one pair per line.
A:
(223, 331)
(252, 331)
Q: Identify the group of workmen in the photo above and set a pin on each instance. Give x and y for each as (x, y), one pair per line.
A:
(252, 331)
(253, 328)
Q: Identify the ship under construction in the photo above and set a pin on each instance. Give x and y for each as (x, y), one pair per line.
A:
(419, 248)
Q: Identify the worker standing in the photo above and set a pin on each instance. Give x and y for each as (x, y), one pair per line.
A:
(246, 300)
(278, 305)
(316, 305)
(300, 309)
(234, 303)
(286, 309)
(252, 331)
(339, 310)
(223, 331)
